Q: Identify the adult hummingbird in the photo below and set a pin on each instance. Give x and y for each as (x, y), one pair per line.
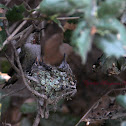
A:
(28, 54)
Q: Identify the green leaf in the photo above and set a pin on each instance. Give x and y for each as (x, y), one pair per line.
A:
(81, 39)
(112, 25)
(57, 22)
(80, 3)
(28, 108)
(51, 7)
(3, 6)
(104, 24)
(111, 8)
(110, 45)
(15, 13)
(121, 99)
(2, 36)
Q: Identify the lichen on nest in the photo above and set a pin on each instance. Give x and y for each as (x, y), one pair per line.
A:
(54, 82)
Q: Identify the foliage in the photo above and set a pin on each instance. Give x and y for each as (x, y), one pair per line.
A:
(110, 44)
(99, 24)
(100, 14)
(121, 99)
(15, 13)
(112, 8)
(81, 38)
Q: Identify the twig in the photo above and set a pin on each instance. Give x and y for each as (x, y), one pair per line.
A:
(67, 18)
(6, 124)
(97, 103)
(23, 77)
(31, 78)
(7, 2)
(21, 33)
(22, 74)
(13, 26)
(37, 119)
(87, 112)
(10, 37)
(59, 18)
(12, 92)
(5, 27)
(22, 40)
(119, 79)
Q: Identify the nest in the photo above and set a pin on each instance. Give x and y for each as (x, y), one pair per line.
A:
(54, 82)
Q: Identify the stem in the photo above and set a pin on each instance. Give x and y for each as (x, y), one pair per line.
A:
(37, 119)
(23, 76)
(11, 36)
(59, 18)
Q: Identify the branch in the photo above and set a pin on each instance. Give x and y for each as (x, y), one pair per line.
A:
(37, 119)
(59, 18)
(21, 33)
(67, 18)
(23, 76)
(11, 36)
(12, 92)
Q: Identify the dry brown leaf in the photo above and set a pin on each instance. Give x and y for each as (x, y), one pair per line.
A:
(69, 26)
(93, 30)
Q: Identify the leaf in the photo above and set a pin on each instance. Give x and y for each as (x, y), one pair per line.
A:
(112, 25)
(51, 7)
(121, 99)
(110, 45)
(112, 8)
(3, 6)
(28, 108)
(81, 39)
(57, 22)
(69, 26)
(15, 13)
(81, 4)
